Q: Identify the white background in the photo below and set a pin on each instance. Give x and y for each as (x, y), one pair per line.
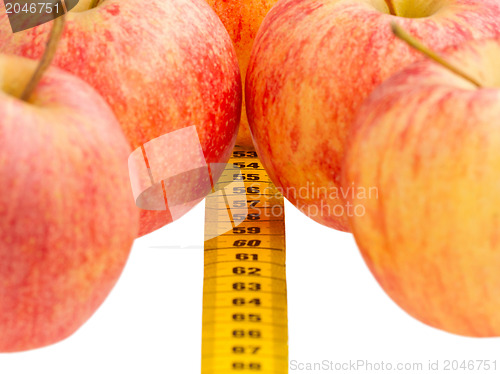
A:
(151, 322)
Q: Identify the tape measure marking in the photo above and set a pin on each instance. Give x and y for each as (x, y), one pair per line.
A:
(245, 328)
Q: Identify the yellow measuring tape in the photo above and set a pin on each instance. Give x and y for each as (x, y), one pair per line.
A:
(245, 328)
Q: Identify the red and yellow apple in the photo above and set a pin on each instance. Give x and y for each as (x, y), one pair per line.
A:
(314, 62)
(426, 143)
(242, 20)
(161, 66)
(68, 219)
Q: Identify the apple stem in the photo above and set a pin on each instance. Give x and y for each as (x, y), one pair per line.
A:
(48, 56)
(94, 3)
(419, 46)
(390, 5)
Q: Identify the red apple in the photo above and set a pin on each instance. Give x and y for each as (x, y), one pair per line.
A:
(161, 65)
(312, 65)
(242, 19)
(426, 143)
(68, 219)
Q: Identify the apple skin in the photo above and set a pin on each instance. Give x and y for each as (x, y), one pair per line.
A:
(312, 65)
(161, 67)
(68, 218)
(242, 19)
(428, 141)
